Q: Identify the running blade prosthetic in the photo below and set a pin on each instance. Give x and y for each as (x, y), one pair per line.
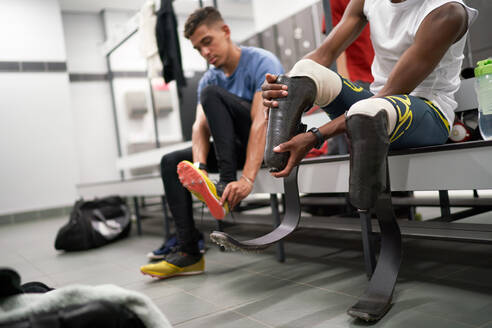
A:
(284, 121)
(288, 225)
(369, 188)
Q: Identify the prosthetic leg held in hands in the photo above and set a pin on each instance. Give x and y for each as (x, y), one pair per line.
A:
(307, 82)
(284, 123)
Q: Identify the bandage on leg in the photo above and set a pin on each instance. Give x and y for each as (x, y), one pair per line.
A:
(372, 106)
(284, 121)
(328, 83)
(308, 83)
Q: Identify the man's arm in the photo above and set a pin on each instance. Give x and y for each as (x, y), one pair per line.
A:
(351, 25)
(200, 136)
(238, 190)
(342, 35)
(437, 32)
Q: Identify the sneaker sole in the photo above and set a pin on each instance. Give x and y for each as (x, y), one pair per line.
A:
(198, 184)
(191, 273)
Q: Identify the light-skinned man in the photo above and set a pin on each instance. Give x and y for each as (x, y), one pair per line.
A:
(230, 109)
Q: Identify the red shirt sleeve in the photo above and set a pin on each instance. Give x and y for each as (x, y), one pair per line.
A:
(360, 53)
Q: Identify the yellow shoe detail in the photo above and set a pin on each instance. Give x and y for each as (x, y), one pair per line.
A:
(165, 269)
(202, 187)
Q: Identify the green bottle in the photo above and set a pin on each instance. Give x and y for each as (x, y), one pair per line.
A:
(483, 75)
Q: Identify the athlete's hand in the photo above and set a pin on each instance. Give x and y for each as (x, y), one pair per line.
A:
(272, 91)
(298, 147)
(235, 192)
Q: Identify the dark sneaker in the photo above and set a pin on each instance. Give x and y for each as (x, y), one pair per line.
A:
(284, 122)
(175, 264)
(203, 188)
(168, 247)
(164, 250)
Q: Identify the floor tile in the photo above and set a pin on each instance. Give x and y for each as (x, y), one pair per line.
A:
(458, 301)
(487, 325)
(153, 288)
(239, 287)
(180, 307)
(398, 317)
(223, 319)
(441, 284)
(297, 306)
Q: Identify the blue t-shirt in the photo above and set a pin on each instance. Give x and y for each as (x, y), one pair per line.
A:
(249, 75)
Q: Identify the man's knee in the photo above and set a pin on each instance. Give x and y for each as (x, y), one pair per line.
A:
(210, 93)
(169, 162)
(372, 106)
(328, 83)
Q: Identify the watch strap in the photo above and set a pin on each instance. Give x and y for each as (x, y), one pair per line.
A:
(319, 137)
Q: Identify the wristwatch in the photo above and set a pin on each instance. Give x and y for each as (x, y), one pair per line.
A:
(200, 166)
(319, 137)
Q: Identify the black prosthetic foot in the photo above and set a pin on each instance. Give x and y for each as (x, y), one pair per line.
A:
(284, 122)
(288, 225)
(369, 187)
(377, 298)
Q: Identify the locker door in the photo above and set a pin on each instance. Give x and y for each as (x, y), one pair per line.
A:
(286, 43)
(480, 31)
(304, 32)
(268, 40)
(253, 41)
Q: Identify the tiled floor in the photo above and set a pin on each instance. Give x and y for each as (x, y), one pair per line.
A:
(442, 284)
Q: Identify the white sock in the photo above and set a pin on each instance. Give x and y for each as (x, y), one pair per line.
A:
(372, 106)
(328, 83)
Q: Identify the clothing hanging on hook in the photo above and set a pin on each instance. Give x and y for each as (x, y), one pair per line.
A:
(168, 43)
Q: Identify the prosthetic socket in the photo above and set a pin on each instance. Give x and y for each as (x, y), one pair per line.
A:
(308, 82)
(284, 122)
(370, 144)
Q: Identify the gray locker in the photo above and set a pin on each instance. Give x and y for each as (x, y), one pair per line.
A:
(253, 41)
(304, 32)
(320, 13)
(482, 54)
(286, 43)
(481, 30)
(268, 40)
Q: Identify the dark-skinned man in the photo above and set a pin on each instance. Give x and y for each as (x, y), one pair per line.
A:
(230, 110)
(418, 54)
(418, 48)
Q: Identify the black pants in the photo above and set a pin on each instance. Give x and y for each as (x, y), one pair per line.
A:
(229, 120)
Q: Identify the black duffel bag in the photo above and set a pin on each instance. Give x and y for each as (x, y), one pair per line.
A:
(94, 223)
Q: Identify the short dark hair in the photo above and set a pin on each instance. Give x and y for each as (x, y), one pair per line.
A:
(206, 15)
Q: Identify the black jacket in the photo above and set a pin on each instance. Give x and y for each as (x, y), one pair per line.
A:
(168, 43)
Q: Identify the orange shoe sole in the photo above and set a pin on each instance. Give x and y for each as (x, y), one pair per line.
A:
(201, 186)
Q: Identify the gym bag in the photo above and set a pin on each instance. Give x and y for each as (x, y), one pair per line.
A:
(94, 223)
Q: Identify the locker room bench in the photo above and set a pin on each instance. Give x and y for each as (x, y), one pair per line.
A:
(463, 166)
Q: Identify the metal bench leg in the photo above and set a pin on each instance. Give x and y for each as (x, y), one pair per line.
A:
(444, 201)
(137, 215)
(220, 225)
(276, 223)
(367, 242)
